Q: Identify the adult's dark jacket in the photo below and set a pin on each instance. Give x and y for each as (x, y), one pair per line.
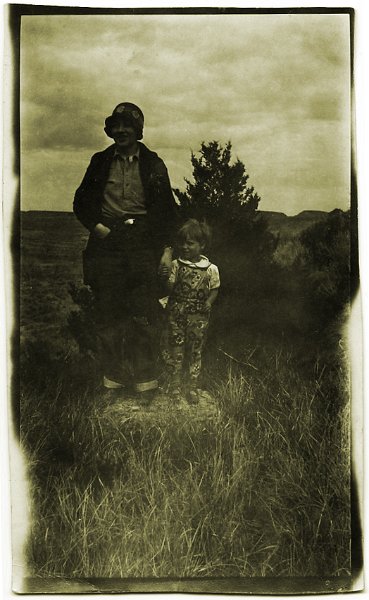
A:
(160, 204)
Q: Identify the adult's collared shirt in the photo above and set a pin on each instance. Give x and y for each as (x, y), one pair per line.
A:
(124, 192)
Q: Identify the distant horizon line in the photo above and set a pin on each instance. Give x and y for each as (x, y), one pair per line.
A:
(277, 212)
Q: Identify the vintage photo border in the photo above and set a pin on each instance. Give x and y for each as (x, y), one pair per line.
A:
(12, 227)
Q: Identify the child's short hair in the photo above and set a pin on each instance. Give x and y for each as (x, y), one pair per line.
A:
(197, 231)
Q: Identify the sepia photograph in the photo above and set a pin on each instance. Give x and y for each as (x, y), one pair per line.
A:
(185, 405)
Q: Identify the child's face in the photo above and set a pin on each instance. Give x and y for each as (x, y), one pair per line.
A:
(191, 249)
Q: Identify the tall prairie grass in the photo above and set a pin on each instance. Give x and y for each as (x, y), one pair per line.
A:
(259, 488)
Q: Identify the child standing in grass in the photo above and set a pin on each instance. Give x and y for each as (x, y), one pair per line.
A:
(193, 284)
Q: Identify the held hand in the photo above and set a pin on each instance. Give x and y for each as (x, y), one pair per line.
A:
(165, 264)
(163, 271)
(101, 231)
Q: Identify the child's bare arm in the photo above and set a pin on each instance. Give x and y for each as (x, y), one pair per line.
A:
(212, 297)
(165, 262)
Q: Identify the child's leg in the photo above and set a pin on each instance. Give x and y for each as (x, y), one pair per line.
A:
(195, 339)
(175, 346)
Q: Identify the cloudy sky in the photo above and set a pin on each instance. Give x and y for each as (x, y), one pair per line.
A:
(276, 86)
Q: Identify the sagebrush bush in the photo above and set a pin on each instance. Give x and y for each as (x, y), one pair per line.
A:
(324, 265)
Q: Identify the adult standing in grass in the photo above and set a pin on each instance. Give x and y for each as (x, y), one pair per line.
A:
(125, 200)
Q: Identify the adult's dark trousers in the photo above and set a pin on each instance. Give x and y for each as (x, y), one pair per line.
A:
(122, 272)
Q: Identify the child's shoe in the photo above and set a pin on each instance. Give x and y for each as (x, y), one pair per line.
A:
(175, 395)
(193, 396)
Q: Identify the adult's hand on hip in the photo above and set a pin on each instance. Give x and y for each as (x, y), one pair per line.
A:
(101, 231)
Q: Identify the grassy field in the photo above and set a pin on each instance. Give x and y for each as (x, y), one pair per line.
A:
(255, 482)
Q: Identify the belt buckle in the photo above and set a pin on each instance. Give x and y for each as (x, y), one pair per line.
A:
(129, 221)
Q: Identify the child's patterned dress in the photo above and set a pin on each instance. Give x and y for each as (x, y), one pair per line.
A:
(188, 317)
